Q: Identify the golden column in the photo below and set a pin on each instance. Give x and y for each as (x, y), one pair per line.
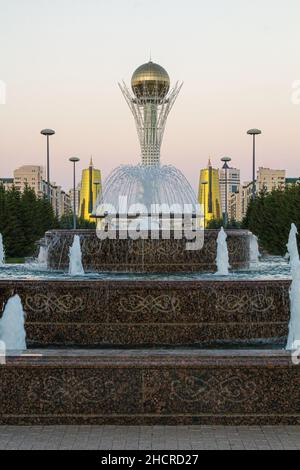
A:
(90, 188)
(209, 194)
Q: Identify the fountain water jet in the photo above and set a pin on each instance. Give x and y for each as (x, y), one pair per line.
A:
(2, 252)
(292, 247)
(75, 255)
(12, 329)
(43, 256)
(294, 326)
(222, 259)
(147, 185)
(254, 249)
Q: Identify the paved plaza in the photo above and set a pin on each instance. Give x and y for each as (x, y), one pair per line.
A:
(150, 437)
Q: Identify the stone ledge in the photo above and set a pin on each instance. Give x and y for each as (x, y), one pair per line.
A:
(145, 256)
(96, 313)
(150, 387)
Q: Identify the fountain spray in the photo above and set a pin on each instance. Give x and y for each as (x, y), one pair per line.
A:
(222, 259)
(294, 326)
(75, 255)
(254, 249)
(2, 252)
(43, 256)
(12, 325)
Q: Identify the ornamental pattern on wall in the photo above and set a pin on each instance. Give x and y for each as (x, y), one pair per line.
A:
(197, 388)
(145, 255)
(150, 303)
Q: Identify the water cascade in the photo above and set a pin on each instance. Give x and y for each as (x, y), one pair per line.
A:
(75, 255)
(254, 249)
(294, 326)
(222, 259)
(2, 252)
(42, 257)
(12, 325)
(147, 186)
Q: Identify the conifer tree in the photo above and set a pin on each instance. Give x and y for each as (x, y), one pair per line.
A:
(270, 217)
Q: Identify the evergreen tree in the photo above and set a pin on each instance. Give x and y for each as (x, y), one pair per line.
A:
(270, 217)
(46, 217)
(3, 208)
(13, 233)
(24, 218)
(216, 224)
(29, 219)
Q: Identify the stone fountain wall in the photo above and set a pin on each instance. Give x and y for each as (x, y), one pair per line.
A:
(151, 313)
(147, 386)
(150, 387)
(149, 256)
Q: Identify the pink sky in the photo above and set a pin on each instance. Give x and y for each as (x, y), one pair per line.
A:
(62, 60)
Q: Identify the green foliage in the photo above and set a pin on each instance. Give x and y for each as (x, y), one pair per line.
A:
(24, 218)
(270, 217)
(66, 223)
(14, 260)
(216, 224)
(234, 224)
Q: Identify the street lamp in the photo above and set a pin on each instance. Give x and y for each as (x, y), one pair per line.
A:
(226, 160)
(254, 133)
(48, 133)
(74, 160)
(204, 184)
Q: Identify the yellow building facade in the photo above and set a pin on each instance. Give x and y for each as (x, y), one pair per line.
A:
(91, 187)
(209, 193)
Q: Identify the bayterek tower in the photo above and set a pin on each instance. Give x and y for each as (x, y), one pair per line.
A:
(149, 183)
(150, 103)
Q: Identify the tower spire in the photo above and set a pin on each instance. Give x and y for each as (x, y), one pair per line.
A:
(91, 161)
(150, 105)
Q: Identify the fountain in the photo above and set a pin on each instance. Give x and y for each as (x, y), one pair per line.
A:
(12, 328)
(292, 247)
(133, 191)
(75, 266)
(42, 256)
(294, 326)
(152, 186)
(254, 250)
(150, 335)
(2, 252)
(222, 259)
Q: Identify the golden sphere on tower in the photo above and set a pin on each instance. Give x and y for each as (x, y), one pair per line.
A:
(150, 81)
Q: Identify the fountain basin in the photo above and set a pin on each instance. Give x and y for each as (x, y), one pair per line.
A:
(150, 387)
(145, 256)
(156, 313)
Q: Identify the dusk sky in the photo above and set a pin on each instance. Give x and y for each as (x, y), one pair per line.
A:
(61, 61)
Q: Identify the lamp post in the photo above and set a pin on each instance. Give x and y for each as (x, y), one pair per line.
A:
(226, 160)
(48, 133)
(204, 184)
(254, 133)
(74, 160)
